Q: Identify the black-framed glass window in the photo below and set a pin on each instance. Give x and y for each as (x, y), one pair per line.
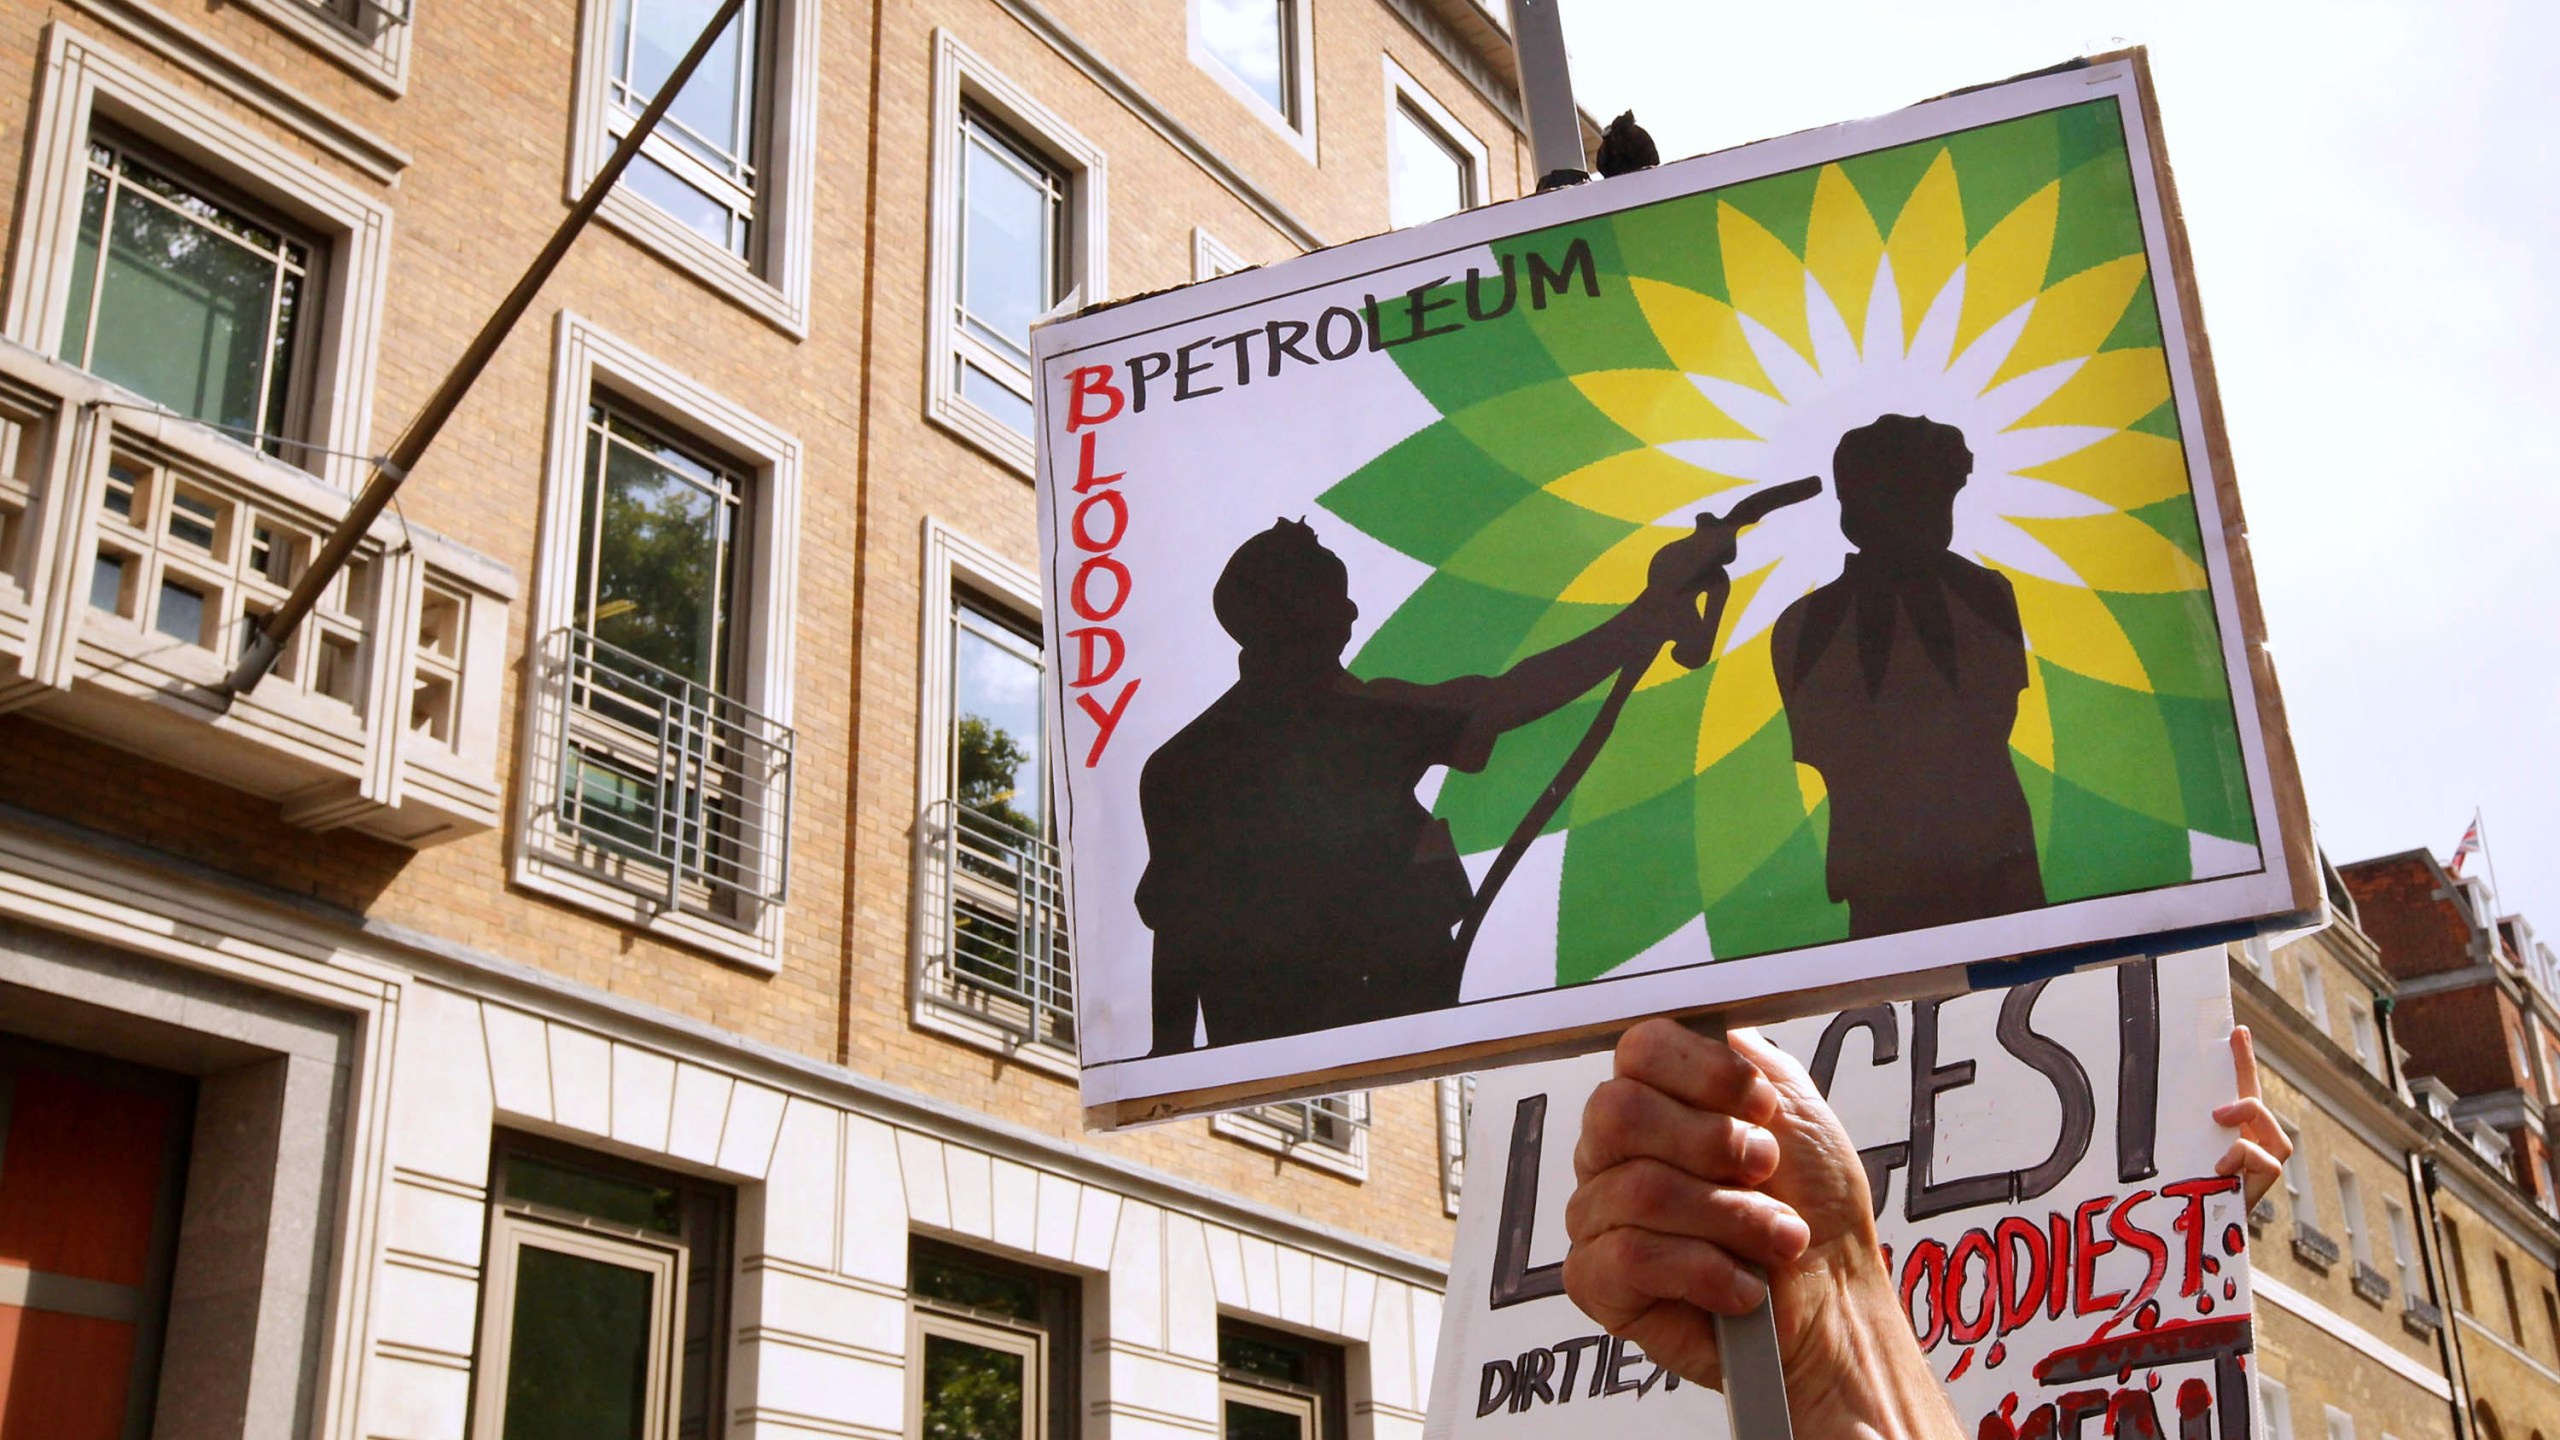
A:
(995, 1351)
(703, 163)
(605, 1315)
(191, 296)
(1277, 1386)
(1013, 239)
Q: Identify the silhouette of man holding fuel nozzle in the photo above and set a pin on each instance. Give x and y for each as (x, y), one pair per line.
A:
(1293, 881)
(1901, 682)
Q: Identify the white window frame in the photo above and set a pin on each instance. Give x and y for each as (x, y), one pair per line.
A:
(2275, 1409)
(374, 46)
(1457, 1095)
(2360, 1031)
(1212, 257)
(2341, 1425)
(509, 1235)
(83, 81)
(960, 78)
(1262, 1132)
(1300, 132)
(2351, 1214)
(1403, 89)
(2296, 1193)
(586, 358)
(1301, 1408)
(1032, 1345)
(774, 284)
(2315, 991)
(2404, 1257)
(954, 562)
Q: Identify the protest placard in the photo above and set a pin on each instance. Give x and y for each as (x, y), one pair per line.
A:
(2042, 1158)
(1761, 583)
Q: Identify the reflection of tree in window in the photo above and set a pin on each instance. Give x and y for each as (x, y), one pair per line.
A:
(185, 297)
(998, 1347)
(1277, 1387)
(996, 760)
(656, 571)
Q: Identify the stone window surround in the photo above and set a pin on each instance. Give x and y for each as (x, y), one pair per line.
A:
(775, 286)
(960, 75)
(586, 358)
(953, 562)
(1402, 88)
(250, 1299)
(1212, 257)
(376, 51)
(1301, 76)
(82, 79)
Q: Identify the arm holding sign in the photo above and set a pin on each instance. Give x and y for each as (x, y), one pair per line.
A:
(1699, 1157)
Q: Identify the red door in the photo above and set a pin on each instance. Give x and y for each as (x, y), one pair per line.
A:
(92, 1154)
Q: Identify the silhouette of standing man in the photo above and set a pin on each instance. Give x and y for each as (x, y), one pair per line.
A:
(1293, 881)
(1901, 682)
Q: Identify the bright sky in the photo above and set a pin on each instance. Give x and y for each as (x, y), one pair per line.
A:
(2373, 192)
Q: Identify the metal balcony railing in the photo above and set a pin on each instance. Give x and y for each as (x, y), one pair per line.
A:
(1334, 1122)
(670, 788)
(997, 899)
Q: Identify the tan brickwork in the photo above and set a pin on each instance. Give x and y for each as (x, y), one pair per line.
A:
(486, 121)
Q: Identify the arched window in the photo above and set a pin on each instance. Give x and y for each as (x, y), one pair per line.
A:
(2487, 1420)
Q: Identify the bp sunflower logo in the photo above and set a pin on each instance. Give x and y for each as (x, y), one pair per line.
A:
(1995, 281)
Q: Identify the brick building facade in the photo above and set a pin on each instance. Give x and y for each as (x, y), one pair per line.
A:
(629, 905)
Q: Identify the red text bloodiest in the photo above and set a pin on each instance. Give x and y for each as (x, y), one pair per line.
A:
(1101, 584)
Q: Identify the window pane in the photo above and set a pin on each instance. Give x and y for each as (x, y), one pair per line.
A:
(995, 397)
(84, 270)
(1008, 262)
(662, 552)
(185, 311)
(652, 35)
(937, 1276)
(996, 739)
(621, 1200)
(181, 612)
(578, 1363)
(1427, 178)
(1250, 37)
(106, 584)
(971, 1392)
(1265, 1358)
(1255, 1422)
(664, 188)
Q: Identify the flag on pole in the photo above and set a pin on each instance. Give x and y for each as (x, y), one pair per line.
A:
(2469, 846)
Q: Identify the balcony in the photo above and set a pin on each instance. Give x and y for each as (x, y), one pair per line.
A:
(2370, 1283)
(2262, 1214)
(2313, 1248)
(137, 549)
(993, 924)
(662, 787)
(2420, 1317)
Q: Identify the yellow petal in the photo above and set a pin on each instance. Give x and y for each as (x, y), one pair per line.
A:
(2074, 318)
(1810, 784)
(1764, 278)
(1639, 486)
(2071, 627)
(2127, 470)
(1742, 695)
(1618, 574)
(2114, 551)
(1699, 333)
(1658, 405)
(2007, 269)
(2114, 390)
(2032, 736)
(1927, 243)
(1842, 247)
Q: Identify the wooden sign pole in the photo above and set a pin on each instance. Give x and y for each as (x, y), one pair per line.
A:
(1755, 1376)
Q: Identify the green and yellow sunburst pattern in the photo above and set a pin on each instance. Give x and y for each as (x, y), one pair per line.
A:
(1994, 279)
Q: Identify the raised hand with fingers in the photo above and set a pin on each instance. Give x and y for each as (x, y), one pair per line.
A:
(2259, 1154)
(1701, 1162)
